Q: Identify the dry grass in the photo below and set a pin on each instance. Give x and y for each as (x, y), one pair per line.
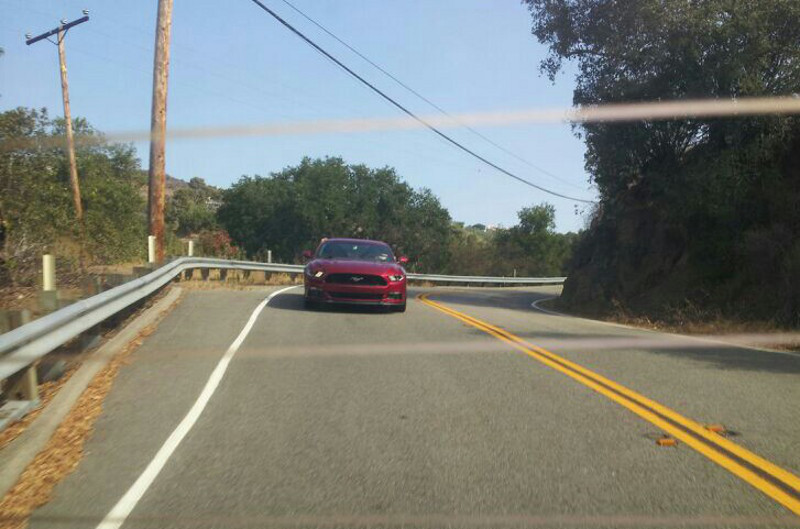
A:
(285, 279)
(47, 391)
(15, 298)
(64, 450)
(70, 286)
(18, 298)
(121, 268)
(717, 326)
(690, 322)
(238, 280)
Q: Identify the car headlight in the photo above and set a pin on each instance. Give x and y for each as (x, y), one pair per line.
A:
(318, 274)
(398, 277)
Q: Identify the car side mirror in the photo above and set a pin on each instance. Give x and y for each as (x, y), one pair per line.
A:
(403, 260)
(307, 254)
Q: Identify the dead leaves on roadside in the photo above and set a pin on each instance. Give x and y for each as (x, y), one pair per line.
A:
(64, 450)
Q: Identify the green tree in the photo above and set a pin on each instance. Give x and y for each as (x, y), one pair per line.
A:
(192, 209)
(685, 204)
(646, 50)
(470, 251)
(532, 247)
(35, 205)
(292, 210)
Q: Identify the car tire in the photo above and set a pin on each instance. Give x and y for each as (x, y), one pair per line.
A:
(310, 304)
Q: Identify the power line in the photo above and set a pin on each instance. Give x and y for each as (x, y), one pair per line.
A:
(408, 112)
(423, 98)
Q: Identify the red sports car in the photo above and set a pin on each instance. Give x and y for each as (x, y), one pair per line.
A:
(355, 271)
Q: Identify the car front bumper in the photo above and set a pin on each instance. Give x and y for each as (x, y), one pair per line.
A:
(392, 294)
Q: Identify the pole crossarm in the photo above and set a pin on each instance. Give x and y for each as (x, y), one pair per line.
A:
(62, 27)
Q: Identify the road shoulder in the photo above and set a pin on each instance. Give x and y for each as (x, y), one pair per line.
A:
(19, 453)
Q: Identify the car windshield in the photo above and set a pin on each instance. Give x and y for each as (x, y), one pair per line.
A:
(356, 250)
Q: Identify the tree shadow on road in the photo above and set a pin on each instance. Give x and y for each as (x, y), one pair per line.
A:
(737, 358)
(719, 355)
(620, 339)
(494, 298)
(294, 301)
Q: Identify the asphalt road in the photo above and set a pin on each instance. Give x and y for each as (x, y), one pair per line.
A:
(344, 418)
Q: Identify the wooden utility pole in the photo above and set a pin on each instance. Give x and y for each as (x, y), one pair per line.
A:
(158, 127)
(73, 165)
(60, 32)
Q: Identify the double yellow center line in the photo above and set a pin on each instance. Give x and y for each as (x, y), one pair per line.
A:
(772, 480)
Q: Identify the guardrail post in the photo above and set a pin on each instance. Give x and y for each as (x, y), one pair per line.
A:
(139, 271)
(151, 249)
(25, 384)
(190, 250)
(204, 273)
(223, 274)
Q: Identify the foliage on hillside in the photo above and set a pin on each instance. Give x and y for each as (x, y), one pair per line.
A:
(292, 210)
(697, 212)
(530, 248)
(193, 208)
(36, 212)
(287, 212)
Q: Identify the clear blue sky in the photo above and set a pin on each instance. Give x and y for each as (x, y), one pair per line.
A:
(232, 64)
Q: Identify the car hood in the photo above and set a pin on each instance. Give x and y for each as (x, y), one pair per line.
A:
(344, 266)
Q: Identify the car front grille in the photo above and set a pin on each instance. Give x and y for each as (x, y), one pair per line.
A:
(356, 279)
(356, 295)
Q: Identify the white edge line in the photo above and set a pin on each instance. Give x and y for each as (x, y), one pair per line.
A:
(536, 306)
(120, 512)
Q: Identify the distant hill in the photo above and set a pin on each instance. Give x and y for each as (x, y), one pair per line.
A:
(173, 184)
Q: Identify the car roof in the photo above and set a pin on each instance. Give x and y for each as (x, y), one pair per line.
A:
(343, 239)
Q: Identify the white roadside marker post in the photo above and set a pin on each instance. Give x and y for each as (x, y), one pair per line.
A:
(25, 385)
(48, 297)
(48, 272)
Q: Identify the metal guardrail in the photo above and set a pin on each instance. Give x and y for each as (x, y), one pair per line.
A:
(24, 345)
(487, 280)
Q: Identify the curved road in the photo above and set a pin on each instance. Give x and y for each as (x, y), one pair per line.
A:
(353, 418)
